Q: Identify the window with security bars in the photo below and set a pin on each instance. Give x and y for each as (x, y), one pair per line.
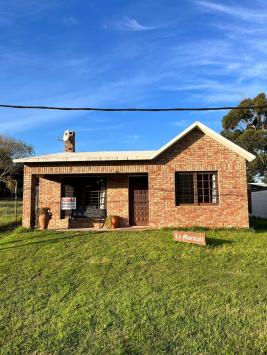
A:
(196, 188)
(96, 198)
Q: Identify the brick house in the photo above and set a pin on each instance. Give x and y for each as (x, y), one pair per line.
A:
(198, 178)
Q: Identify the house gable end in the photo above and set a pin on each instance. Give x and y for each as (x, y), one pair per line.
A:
(197, 151)
(207, 131)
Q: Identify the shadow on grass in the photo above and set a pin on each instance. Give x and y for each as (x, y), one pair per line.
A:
(27, 235)
(211, 242)
(258, 224)
(214, 243)
(9, 225)
(46, 241)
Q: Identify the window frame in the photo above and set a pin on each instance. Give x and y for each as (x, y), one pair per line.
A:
(196, 188)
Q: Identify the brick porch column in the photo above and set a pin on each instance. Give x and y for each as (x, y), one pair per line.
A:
(117, 197)
(30, 181)
(50, 196)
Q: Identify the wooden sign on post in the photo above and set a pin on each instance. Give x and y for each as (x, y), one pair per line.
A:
(189, 237)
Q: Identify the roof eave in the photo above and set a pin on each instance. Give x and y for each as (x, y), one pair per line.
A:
(77, 160)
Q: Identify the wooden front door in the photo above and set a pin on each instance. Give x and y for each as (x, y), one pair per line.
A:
(138, 201)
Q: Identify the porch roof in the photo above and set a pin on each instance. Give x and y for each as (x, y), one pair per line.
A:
(89, 156)
(136, 155)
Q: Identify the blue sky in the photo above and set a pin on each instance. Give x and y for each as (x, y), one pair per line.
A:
(119, 53)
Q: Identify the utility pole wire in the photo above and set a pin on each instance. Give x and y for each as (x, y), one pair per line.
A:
(134, 109)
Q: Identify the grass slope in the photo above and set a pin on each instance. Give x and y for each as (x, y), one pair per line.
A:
(134, 292)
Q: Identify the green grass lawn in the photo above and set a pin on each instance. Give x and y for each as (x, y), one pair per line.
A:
(133, 293)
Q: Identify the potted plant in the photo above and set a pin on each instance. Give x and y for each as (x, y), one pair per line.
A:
(44, 215)
(111, 222)
(114, 221)
(108, 223)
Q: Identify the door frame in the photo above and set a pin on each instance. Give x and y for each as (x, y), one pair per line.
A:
(130, 202)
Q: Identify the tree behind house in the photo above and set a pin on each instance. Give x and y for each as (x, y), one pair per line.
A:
(248, 129)
(10, 149)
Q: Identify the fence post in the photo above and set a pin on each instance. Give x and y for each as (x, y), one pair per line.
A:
(16, 200)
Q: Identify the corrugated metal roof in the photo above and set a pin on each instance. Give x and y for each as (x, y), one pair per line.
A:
(89, 156)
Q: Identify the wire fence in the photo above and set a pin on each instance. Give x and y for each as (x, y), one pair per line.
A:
(11, 206)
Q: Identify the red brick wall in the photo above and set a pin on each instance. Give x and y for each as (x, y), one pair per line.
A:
(117, 197)
(195, 152)
(198, 152)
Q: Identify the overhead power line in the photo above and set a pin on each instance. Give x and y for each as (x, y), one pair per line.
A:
(134, 109)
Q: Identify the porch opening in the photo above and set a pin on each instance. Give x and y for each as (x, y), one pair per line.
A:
(90, 194)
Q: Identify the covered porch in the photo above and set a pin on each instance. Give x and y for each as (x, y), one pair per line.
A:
(89, 200)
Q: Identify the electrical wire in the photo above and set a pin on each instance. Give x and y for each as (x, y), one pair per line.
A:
(133, 109)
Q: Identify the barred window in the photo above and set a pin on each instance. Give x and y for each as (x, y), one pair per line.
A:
(196, 188)
(184, 188)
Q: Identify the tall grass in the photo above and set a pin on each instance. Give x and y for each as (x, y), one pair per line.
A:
(7, 207)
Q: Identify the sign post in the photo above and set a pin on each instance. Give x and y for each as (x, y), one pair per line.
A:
(16, 200)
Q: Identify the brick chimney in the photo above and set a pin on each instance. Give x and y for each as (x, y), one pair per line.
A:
(69, 141)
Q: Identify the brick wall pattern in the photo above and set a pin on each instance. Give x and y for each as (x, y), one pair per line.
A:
(195, 152)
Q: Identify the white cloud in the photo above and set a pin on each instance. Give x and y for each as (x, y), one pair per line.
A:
(24, 8)
(245, 14)
(75, 62)
(130, 138)
(180, 123)
(71, 20)
(131, 24)
(217, 70)
(108, 94)
(99, 126)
